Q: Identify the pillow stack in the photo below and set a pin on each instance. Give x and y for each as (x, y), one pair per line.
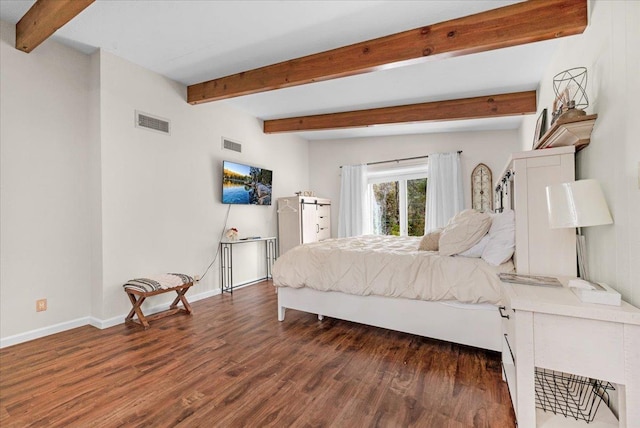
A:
(474, 234)
(502, 239)
(463, 231)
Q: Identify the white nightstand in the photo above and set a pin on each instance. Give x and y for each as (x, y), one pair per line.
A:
(550, 328)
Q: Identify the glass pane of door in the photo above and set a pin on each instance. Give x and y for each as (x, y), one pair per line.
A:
(416, 202)
(386, 208)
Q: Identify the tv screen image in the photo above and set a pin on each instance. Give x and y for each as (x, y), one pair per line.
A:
(245, 184)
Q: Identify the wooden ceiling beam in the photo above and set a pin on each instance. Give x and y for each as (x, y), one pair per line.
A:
(517, 24)
(512, 104)
(43, 19)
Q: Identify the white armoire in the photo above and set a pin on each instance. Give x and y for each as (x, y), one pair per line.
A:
(540, 250)
(301, 220)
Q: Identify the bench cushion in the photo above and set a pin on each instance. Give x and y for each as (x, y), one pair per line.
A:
(152, 283)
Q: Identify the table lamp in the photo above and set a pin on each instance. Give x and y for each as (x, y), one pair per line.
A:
(578, 204)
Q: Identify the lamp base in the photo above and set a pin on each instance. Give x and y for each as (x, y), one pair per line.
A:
(595, 293)
(581, 248)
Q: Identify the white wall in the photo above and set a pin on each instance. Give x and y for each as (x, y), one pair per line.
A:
(45, 217)
(326, 156)
(95, 187)
(89, 201)
(161, 208)
(610, 50)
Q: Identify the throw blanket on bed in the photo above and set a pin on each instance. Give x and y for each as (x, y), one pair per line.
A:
(388, 266)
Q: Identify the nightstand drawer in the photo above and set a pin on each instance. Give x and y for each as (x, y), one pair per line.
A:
(593, 346)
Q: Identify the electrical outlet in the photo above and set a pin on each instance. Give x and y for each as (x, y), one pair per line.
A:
(41, 305)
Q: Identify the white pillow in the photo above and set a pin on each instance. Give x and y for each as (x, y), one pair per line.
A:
(463, 231)
(476, 250)
(502, 239)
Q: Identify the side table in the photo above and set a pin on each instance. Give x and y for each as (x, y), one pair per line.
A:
(550, 328)
(226, 260)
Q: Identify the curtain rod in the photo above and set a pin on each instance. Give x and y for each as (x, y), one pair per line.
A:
(399, 160)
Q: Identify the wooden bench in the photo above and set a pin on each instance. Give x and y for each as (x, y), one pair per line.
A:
(139, 289)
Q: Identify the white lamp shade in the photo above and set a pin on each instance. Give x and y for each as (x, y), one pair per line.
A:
(577, 204)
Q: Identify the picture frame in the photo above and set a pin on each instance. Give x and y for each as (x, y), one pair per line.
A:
(541, 128)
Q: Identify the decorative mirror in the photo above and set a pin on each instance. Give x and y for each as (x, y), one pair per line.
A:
(481, 189)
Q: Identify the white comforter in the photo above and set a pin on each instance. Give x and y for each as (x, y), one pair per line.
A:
(388, 266)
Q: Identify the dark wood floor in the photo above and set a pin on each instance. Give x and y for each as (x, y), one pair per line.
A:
(233, 364)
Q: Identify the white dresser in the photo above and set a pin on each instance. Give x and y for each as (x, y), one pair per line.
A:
(301, 220)
(540, 249)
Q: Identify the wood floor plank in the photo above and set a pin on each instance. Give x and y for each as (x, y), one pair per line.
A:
(232, 364)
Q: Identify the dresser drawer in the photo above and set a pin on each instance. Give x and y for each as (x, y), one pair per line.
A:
(324, 210)
(324, 233)
(324, 221)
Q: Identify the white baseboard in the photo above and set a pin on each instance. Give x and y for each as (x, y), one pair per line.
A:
(89, 320)
(102, 324)
(42, 332)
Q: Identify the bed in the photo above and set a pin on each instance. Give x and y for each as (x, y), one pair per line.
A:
(385, 281)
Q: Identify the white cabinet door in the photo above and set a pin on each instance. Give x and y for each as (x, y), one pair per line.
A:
(309, 224)
(539, 249)
(302, 220)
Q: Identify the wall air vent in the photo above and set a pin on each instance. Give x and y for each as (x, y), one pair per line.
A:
(227, 144)
(153, 123)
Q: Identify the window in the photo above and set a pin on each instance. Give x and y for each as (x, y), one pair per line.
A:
(398, 197)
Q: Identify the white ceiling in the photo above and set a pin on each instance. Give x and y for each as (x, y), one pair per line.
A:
(194, 41)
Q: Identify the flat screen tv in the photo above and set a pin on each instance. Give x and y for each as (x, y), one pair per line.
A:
(245, 184)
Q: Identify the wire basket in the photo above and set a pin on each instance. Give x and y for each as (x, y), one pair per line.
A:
(570, 395)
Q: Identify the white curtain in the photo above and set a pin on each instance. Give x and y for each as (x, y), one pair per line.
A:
(353, 216)
(445, 194)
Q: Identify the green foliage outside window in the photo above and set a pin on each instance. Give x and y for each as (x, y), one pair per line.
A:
(386, 207)
(416, 202)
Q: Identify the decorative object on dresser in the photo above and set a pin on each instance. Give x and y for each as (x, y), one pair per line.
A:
(570, 125)
(481, 183)
(541, 127)
(571, 96)
(578, 204)
(231, 234)
(301, 220)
